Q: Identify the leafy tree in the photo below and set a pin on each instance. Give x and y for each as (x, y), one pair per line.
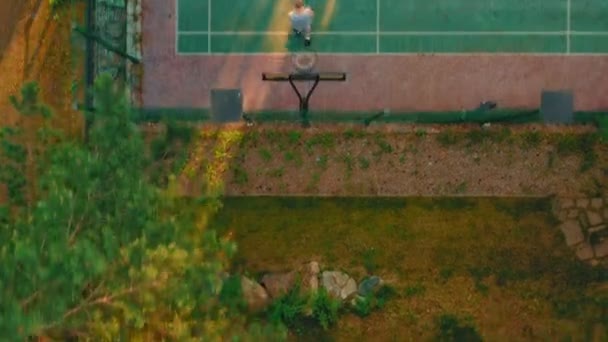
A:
(23, 143)
(101, 254)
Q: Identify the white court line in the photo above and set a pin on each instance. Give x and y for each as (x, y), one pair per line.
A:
(378, 26)
(568, 25)
(403, 33)
(389, 54)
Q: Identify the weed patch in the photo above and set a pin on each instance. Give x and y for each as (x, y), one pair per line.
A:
(522, 207)
(581, 144)
(450, 328)
(414, 290)
(266, 155)
(448, 138)
(531, 140)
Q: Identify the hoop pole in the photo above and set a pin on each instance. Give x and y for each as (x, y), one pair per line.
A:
(304, 101)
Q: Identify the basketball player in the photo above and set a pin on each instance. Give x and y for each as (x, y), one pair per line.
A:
(301, 20)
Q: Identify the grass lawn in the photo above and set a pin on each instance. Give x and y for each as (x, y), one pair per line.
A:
(501, 264)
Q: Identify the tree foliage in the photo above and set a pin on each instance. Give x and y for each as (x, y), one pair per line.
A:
(100, 253)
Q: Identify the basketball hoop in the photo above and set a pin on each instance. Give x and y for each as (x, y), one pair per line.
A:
(314, 77)
(304, 61)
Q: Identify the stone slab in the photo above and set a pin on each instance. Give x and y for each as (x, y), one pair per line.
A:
(567, 203)
(601, 249)
(572, 213)
(593, 218)
(572, 232)
(597, 203)
(584, 251)
(582, 203)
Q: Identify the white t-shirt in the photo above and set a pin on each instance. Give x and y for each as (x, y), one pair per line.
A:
(301, 20)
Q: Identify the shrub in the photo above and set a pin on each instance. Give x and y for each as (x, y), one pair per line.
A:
(325, 309)
(288, 309)
(384, 294)
(231, 295)
(364, 306)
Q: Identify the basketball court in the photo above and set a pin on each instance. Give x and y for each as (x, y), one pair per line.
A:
(399, 54)
(397, 26)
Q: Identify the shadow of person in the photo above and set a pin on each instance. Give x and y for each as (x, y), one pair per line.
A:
(294, 43)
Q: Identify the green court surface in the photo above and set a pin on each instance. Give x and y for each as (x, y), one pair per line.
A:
(396, 26)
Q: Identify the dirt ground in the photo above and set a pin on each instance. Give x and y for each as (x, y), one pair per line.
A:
(36, 46)
(401, 161)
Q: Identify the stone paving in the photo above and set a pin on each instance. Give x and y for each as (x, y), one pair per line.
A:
(584, 223)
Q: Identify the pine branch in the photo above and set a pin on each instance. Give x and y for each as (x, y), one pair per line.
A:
(29, 300)
(106, 300)
(79, 225)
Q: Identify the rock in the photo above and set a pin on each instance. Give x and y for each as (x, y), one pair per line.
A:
(584, 252)
(566, 203)
(369, 285)
(572, 214)
(561, 215)
(278, 284)
(338, 284)
(594, 218)
(572, 232)
(597, 229)
(309, 274)
(601, 249)
(255, 295)
(596, 203)
(582, 203)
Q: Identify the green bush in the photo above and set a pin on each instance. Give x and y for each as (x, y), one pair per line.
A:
(288, 309)
(364, 306)
(325, 309)
(384, 294)
(231, 295)
(159, 148)
(57, 3)
(450, 328)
